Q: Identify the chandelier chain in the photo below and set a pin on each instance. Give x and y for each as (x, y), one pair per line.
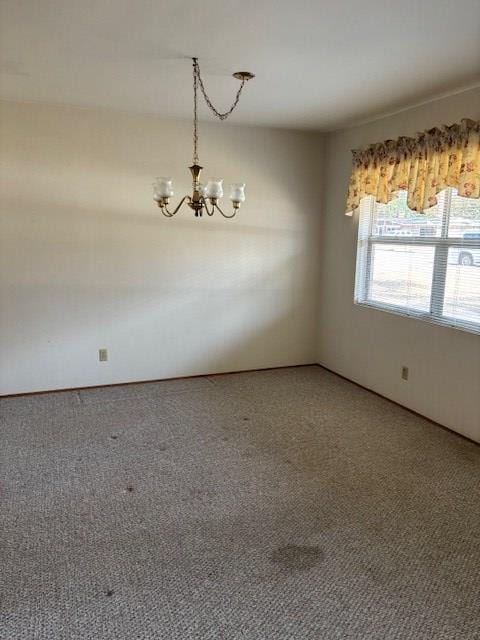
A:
(204, 199)
(222, 116)
(195, 117)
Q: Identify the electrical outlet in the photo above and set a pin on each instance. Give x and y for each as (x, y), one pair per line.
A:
(404, 373)
(103, 355)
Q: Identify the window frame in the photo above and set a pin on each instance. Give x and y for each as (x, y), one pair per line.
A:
(441, 245)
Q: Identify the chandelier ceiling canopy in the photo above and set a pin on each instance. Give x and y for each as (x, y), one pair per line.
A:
(204, 197)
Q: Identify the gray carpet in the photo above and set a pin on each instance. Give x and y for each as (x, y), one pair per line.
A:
(283, 504)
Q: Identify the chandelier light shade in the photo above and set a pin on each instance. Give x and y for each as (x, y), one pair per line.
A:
(162, 188)
(214, 188)
(237, 192)
(204, 197)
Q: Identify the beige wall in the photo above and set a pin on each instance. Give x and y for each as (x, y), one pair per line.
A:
(370, 346)
(87, 261)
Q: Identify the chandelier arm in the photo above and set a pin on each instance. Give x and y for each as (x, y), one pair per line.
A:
(225, 114)
(170, 214)
(224, 214)
(205, 204)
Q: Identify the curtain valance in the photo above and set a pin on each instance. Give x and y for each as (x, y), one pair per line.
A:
(423, 165)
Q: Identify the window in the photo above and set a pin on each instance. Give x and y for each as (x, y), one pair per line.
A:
(422, 265)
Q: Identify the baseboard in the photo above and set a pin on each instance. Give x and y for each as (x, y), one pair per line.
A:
(227, 373)
(122, 384)
(416, 413)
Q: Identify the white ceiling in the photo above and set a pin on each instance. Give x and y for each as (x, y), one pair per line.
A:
(319, 65)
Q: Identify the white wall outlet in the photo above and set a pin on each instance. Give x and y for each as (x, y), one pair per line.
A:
(404, 373)
(103, 355)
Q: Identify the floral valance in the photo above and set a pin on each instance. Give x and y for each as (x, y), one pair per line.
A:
(424, 165)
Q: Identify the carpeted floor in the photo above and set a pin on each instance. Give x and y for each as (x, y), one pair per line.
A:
(286, 504)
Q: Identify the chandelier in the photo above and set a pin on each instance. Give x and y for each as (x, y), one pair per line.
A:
(204, 197)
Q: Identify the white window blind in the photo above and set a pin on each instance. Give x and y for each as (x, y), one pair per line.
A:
(422, 265)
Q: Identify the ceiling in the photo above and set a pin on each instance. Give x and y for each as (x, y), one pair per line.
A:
(319, 65)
